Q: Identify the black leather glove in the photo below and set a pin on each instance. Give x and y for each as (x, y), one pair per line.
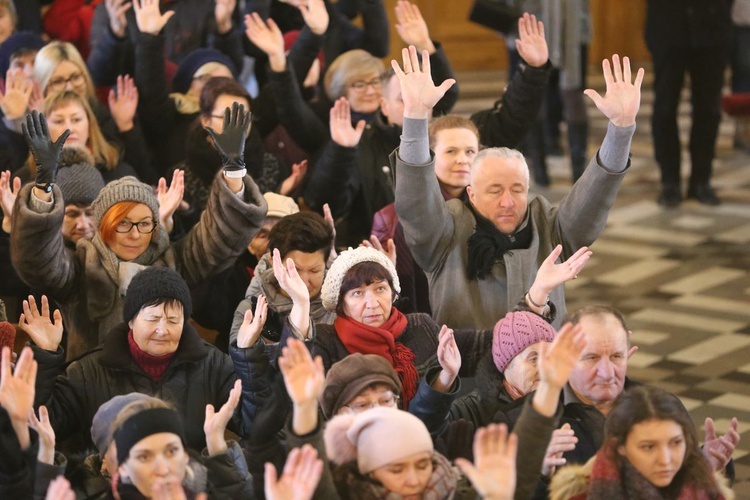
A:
(46, 153)
(231, 142)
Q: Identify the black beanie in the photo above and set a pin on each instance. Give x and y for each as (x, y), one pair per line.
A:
(193, 61)
(154, 283)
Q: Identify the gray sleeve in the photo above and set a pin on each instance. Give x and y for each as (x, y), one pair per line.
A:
(40, 206)
(415, 142)
(615, 149)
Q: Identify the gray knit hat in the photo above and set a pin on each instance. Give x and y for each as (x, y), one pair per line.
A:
(347, 259)
(101, 424)
(353, 374)
(78, 179)
(125, 189)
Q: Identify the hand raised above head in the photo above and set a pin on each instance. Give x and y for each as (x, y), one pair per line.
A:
(417, 88)
(46, 152)
(623, 96)
(230, 143)
(531, 44)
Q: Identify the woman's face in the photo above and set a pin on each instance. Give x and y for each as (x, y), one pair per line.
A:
(131, 244)
(311, 268)
(216, 119)
(196, 86)
(6, 24)
(408, 477)
(522, 372)
(455, 149)
(656, 448)
(364, 93)
(157, 329)
(66, 76)
(369, 304)
(158, 458)
(379, 395)
(70, 116)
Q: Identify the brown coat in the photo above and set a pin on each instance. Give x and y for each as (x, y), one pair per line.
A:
(86, 283)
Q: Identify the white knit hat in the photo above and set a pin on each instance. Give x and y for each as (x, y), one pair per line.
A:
(345, 261)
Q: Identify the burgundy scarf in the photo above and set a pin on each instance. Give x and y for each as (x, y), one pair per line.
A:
(154, 366)
(614, 483)
(365, 339)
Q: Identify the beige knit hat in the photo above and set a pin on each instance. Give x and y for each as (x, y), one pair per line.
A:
(347, 259)
(125, 189)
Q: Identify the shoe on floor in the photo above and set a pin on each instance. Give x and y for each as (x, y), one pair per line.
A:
(670, 197)
(704, 194)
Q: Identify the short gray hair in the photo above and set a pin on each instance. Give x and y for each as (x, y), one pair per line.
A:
(501, 153)
(347, 68)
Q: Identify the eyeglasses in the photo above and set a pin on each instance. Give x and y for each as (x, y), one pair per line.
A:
(387, 400)
(59, 83)
(362, 85)
(143, 227)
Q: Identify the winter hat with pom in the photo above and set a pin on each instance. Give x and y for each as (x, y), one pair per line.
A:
(515, 332)
(375, 438)
(78, 179)
(347, 259)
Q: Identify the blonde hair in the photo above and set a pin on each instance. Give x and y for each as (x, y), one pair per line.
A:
(349, 67)
(450, 122)
(11, 8)
(51, 55)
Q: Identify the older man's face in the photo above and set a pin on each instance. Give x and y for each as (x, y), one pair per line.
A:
(499, 191)
(599, 375)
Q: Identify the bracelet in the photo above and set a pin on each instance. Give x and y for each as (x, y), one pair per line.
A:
(546, 301)
(235, 174)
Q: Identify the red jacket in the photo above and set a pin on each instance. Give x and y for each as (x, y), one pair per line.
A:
(70, 21)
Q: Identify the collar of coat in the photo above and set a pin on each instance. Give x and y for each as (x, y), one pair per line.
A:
(191, 348)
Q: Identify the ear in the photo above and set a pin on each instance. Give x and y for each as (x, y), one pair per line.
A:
(621, 450)
(472, 194)
(383, 106)
(205, 121)
(130, 323)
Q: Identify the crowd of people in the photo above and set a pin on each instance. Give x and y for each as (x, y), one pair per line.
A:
(252, 261)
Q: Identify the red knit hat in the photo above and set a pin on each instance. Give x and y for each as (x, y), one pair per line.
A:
(515, 332)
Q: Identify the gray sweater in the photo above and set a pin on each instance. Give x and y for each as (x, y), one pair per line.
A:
(437, 231)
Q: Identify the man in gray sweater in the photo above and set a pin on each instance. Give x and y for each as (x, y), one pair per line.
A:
(481, 255)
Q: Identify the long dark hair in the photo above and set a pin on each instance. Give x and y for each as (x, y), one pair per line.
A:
(643, 403)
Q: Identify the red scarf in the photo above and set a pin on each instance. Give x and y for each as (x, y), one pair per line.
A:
(365, 339)
(154, 366)
(622, 483)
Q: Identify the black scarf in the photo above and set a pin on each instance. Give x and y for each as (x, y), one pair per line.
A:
(488, 245)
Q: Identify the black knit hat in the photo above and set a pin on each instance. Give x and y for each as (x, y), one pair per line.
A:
(193, 62)
(155, 283)
(15, 42)
(78, 179)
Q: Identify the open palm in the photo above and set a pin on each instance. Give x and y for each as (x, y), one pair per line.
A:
(623, 96)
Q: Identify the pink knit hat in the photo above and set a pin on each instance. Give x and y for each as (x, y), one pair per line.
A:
(515, 332)
(375, 438)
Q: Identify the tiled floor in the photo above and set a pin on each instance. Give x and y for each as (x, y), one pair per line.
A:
(680, 276)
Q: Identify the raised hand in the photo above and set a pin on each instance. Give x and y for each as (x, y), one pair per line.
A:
(299, 171)
(170, 489)
(328, 217)
(389, 250)
(43, 428)
(116, 10)
(18, 88)
(551, 275)
(301, 476)
(252, 325)
(17, 389)
(46, 153)
(8, 193)
(342, 131)
(216, 422)
(315, 16)
(223, 10)
(231, 141)
(493, 473)
(266, 36)
(418, 91)
(719, 450)
(557, 360)
(563, 440)
(123, 102)
(449, 358)
(623, 98)
(149, 18)
(60, 489)
(289, 279)
(170, 198)
(531, 44)
(303, 377)
(45, 333)
(411, 26)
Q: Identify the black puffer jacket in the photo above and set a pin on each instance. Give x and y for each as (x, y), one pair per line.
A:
(197, 375)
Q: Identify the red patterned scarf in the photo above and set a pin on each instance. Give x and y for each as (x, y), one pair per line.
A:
(365, 339)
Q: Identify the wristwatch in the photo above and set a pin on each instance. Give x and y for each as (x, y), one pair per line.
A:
(47, 188)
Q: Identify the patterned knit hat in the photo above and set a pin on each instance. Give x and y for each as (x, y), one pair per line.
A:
(347, 259)
(78, 179)
(156, 283)
(515, 332)
(375, 438)
(350, 376)
(125, 189)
